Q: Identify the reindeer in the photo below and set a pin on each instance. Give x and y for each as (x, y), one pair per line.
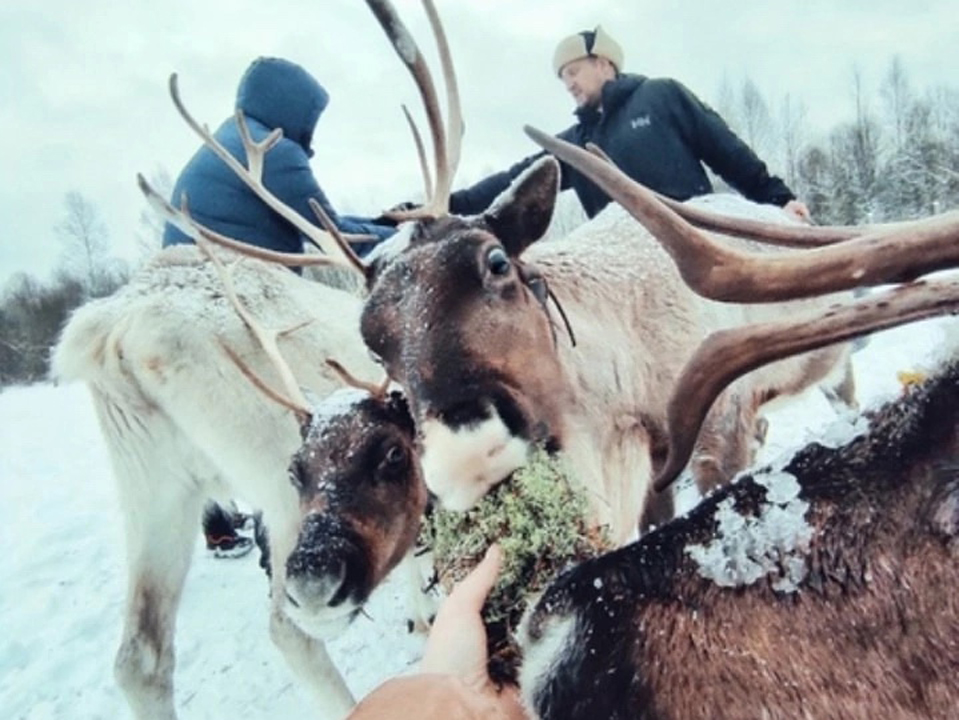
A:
(460, 311)
(819, 587)
(172, 361)
(823, 588)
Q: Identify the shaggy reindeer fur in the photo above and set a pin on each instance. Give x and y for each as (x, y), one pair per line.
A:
(182, 424)
(864, 623)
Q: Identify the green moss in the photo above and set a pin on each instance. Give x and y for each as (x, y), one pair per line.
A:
(540, 518)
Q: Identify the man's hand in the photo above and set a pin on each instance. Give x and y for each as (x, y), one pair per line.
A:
(385, 218)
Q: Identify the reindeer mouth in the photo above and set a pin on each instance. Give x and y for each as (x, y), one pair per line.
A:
(472, 447)
(328, 577)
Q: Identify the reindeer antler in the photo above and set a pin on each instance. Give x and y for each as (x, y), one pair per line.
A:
(721, 273)
(897, 252)
(348, 378)
(446, 144)
(294, 399)
(197, 232)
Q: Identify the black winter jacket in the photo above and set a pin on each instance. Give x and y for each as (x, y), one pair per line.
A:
(659, 134)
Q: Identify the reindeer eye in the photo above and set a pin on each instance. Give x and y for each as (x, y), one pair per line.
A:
(394, 460)
(497, 261)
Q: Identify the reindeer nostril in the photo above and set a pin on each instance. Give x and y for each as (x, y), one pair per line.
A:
(323, 586)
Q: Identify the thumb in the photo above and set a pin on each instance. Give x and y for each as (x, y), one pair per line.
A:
(471, 592)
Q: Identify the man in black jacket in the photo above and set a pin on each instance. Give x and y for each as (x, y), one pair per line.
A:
(656, 130)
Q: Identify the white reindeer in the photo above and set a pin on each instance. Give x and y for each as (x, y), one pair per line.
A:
(182, 423)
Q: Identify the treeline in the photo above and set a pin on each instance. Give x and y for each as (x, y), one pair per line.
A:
(32, 312)
(896, 158)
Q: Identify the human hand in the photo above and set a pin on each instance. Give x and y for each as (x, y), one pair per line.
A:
(457, 640)
(799, 210)
(452, 680)
(388, 217)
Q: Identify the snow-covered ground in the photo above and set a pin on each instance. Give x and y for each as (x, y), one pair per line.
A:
(62, 575)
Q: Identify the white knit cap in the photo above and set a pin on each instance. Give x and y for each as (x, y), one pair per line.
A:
(589, 43)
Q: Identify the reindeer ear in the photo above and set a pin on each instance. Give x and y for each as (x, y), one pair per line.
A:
(521, 214)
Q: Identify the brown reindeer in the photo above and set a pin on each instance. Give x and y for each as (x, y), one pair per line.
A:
(432, 318)
(467, 314)
(822, 588)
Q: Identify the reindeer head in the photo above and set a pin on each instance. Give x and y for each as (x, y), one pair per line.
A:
(361, 499)
(456, 318)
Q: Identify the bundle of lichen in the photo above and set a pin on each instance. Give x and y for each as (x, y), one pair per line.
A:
(540, 519)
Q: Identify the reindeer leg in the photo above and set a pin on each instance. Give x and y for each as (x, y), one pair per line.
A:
(309, 661)
(160, 544)
(727, 442)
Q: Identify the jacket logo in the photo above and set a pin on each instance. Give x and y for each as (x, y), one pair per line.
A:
(641, 121)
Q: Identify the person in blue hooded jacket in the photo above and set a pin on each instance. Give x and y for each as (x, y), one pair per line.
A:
(273, 93)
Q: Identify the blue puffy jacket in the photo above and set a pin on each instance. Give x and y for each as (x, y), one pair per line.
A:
(273, 93)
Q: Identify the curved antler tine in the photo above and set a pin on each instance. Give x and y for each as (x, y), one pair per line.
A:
(446, 143)
(420, 153)
(337, 236)
(188, 226)
(348, 378)
(294, 399)
(599, 152)
(409, 53)
(454, 115)
(303, 416)
(252, 177)
(721, 273)
(728, 354)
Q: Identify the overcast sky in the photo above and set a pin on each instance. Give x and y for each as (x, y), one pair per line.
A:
(84, 104)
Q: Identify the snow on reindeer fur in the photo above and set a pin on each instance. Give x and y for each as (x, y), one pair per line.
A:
(747, 548)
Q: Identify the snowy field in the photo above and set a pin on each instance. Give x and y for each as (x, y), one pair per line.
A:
(62, 576)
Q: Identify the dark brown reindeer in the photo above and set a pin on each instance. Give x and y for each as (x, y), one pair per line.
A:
(822, 588)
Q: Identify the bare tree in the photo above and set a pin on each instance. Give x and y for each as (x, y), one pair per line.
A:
(757, 122)
(897, 96)
(85, 240)
(792, 120)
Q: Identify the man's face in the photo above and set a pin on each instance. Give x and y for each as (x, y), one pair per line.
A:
(584, 79)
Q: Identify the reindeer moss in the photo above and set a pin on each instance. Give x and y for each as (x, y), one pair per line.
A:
(541, 521)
